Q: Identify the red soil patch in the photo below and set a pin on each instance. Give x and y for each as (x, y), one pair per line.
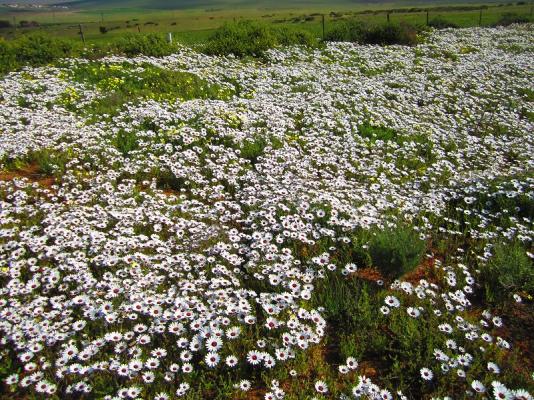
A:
(367, 368)
(369, 274)
(425, 270)
(256, 394)
(31, 172)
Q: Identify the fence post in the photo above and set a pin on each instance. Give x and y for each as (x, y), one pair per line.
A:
(15, 22)
(387, 15)
(480, 18)
(323, 24)
(169, 37)
(102, 17)
(138, 28)
(426, 17)
(81, 33)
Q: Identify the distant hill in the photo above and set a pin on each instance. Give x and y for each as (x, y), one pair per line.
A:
(212, 5)
(235, 4)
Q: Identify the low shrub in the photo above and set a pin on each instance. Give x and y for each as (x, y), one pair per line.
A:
(348, 302)
(360, 32)
(374, 133)
(35, 49)
(249, 38)
(512, 18)
(509, 271)
(396, 251)
(151, 44)
(7, 57)
(441, 23)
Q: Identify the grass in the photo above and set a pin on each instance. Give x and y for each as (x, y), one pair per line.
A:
(509, 271)
(396, 251)
(195, 25)
(249, 38)
(120, 86)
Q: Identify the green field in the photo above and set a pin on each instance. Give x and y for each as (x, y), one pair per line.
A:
(192, 25)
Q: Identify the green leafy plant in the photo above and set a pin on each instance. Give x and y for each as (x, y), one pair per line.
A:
(508, 271)
(512, 18)
(374, 132)
(396, 251)
(35, 49)
(151, 44)
(360, 32)
(249, 38)
(441, 23)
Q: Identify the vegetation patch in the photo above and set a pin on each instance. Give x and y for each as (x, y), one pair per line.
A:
(120, 84)
(364, 33)
(250, 38)
(396, 251)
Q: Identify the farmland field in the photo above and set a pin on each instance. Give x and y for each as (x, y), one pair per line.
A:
(341, 221)
(193, 23)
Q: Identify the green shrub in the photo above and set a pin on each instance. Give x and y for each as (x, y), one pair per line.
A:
(40, 49)
(509, 271)
(126, 142)
(512, 18)
(441, 23)
(360, 32)
(347, 31)
(396, 251)
(35, 49)
(249, 38)
(348, 302)
(391, 34)
(374, 132)
(151, 44)
(7, 57)
(253, 149)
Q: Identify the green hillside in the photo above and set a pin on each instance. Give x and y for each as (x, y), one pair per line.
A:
(234, 4)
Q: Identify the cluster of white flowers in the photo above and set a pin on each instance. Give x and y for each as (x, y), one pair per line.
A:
(149, 264)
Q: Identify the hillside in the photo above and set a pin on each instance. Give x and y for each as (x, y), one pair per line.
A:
(222, 4)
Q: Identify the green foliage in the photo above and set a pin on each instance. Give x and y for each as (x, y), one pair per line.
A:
(253, 149)
(346, 303)
(362, 335)
(7, 57)
(43, 162)
(249, 38)
(35, 49)
(50, 163)
(359, 254)
(512, 18)
(126, 142)
(441, 23)
(396, 251)
(38, 49)
(120, 85)
(384, 34)
(374, 133)
(151, 44)
(509, 271)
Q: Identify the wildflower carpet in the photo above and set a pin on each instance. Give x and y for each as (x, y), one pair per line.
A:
(347, 221)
